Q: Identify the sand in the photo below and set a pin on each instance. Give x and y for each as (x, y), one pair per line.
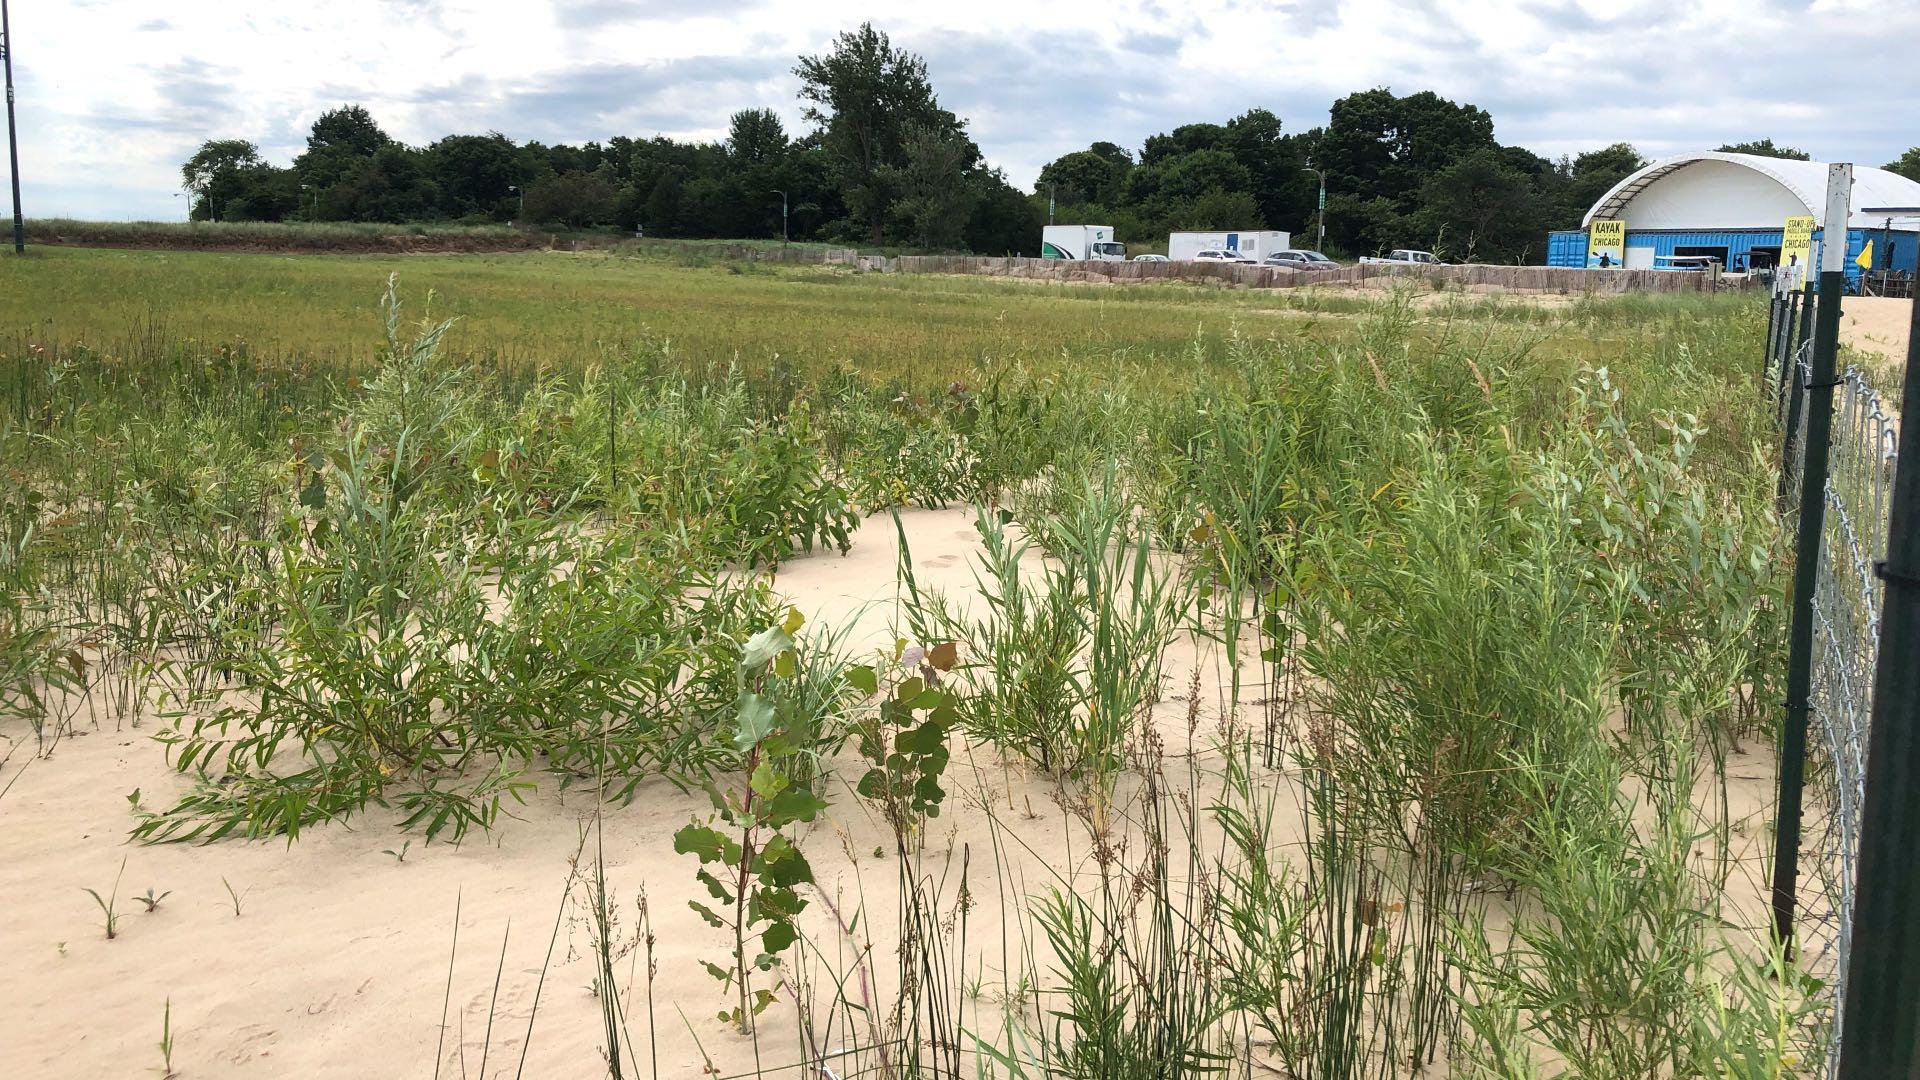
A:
(337, 963)
(1878, 325)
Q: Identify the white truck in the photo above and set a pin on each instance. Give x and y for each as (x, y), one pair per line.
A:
(1405, 257)
(1094, 243)
(1254, 244)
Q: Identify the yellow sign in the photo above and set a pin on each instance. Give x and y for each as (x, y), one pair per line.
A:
(1796, 246)
(1606, 242)
(1864, 260)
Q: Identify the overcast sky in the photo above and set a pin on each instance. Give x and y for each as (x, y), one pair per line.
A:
(114, 94)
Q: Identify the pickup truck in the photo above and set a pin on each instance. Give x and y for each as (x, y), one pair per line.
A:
(1405, 257)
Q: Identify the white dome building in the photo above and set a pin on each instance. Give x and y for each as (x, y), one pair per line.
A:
(1734, 207)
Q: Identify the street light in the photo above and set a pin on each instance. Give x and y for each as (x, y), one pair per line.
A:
(523, 200)
(1323, 201)
(188, 204)
(783, 213)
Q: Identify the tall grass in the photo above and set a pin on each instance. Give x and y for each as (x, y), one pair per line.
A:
(1503, 590)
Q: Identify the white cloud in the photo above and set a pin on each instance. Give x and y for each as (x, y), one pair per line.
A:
(113, 94)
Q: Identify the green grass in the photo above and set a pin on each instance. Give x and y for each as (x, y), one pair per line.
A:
(1520, 562)
(564, 311)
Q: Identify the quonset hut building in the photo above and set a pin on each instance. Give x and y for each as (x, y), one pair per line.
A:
(1734, 207)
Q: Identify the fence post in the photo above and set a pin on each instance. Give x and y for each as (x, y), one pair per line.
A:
(1773, 330)
(1796, 397)
(1817, 399)
(1881, 1036)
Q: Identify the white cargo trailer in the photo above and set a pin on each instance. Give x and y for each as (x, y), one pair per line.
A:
(1094, 242)
(1254, 244)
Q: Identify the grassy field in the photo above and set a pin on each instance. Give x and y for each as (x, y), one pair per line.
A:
(1211, 682)
(569, 310)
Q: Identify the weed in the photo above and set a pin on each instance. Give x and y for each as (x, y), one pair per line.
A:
(106, 903)
(151, 901)
(233, 896)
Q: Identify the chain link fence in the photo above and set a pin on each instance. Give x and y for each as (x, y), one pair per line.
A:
(1846, 606)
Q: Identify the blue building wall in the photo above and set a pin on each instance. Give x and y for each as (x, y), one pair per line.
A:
(1569, 247)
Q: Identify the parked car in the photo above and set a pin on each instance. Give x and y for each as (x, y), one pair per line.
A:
(1300, 259)
(1405, 257)
(1149, 258)
(1222, 255)
(1691, 264)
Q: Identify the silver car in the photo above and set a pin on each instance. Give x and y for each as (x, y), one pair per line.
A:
(1222, 255)
(1300, 259)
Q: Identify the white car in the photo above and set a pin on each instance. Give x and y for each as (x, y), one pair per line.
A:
(1149, 258)
(1222, 255)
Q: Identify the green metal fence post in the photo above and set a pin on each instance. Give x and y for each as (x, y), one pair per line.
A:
(1881, 1035)
(1817, 398)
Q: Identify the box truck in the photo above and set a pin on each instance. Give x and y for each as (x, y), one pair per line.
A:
(1093, 242)
(1254, 244)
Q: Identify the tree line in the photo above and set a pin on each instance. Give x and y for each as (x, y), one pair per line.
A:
(885, 164)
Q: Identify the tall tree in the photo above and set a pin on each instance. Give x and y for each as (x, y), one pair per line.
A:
(1764, 148)
(864, 95)
(476, 174)
(935, 197)
(340, 142)
(1907, 164)
(756, 137)
(1481, 209)
(1377, 146)
(217, 174)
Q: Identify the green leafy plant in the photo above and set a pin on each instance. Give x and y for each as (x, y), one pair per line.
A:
(748, 865)
(904, 740)
(151, 900)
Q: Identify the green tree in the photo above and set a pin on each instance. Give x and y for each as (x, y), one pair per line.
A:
(1085, 176)
(217, 174)
(756, 137)
(935, 198)
(864, 95)
(476, 174)
(1764, 148)
(339, 142)
(1481, 209)
(1377, 146)
(1592, 175)
(576, 200)
(1907, 164)
(392, 184)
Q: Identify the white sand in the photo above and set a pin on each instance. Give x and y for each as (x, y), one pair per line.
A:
(338, 964)
(1877, 324)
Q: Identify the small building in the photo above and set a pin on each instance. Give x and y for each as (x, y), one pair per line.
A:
(1734, 208)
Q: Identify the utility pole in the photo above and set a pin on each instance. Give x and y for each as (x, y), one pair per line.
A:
(13, 137)
(1322, 211)
(1050, 193)
(783, 215)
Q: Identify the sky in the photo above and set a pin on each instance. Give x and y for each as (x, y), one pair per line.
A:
(115, 94)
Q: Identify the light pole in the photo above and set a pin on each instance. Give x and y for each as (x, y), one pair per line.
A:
(783, 213)
(1050, 195)
(188, 204)
(515, 188)
(13, 139)
(1322, 214)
